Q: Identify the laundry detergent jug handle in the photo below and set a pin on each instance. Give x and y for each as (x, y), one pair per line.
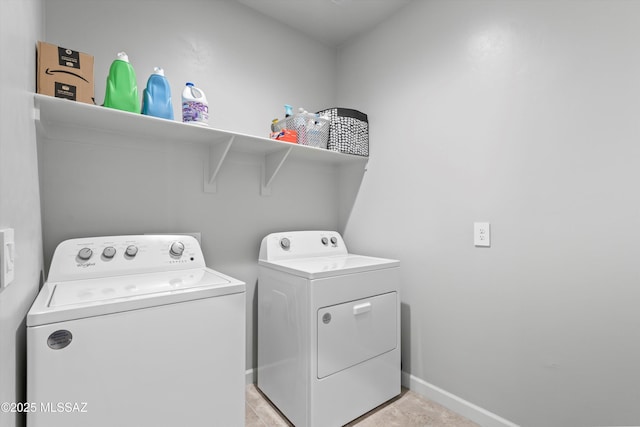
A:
(195, 92)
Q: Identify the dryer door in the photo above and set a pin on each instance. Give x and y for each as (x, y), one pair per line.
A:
(356, 331)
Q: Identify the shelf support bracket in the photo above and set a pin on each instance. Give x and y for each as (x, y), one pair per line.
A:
(217, 154)
(270, 167)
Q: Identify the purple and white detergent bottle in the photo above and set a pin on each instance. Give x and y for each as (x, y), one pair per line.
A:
(195, 109)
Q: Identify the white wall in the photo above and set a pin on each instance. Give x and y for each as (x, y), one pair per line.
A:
(248, 66)
(20, 28)
(525, 114)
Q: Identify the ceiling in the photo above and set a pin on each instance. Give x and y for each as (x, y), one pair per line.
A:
(330, 21)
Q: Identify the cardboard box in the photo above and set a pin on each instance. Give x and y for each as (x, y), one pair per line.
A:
(65, 73)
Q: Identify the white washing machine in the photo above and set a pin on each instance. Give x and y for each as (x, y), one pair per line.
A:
(328, 328)
(135, 331)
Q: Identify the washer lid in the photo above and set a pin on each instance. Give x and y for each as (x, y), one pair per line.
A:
(320, 267)
(77, 299)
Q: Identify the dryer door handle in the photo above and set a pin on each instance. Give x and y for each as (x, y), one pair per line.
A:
(361, 308)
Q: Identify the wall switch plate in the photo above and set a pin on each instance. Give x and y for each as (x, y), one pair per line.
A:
(482, 234)
(7, 257)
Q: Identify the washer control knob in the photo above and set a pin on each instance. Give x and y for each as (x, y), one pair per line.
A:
(109, 252)
(334, 240)
(176, 249)
(131, 251)
(285, 243)
(85, 254)
(325, 241)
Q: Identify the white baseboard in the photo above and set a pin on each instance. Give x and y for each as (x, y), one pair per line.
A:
(456, 404)
(250, 376)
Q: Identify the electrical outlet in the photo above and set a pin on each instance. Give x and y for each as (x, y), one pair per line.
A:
(481, 234)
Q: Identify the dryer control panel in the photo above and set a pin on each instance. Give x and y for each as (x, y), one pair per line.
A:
(301, 244)
(107, 256)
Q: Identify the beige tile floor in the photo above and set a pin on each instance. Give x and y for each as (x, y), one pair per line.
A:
(407, 410)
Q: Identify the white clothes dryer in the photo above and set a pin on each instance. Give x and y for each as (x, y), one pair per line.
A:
(135, 331)
(328, 328)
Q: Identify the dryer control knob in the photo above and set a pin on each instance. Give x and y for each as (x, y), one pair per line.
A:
(325, 241)
(176, 249)
(85, 254)
(109, 252)
(131, 250)
(285, 243)
(334, 240)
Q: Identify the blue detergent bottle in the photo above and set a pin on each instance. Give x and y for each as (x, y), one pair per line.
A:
(156, 97)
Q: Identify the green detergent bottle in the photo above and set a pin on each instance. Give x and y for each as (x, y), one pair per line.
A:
(122, 87)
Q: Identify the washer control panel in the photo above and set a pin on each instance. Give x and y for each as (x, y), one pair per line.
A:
(106, 256)
(301, 244)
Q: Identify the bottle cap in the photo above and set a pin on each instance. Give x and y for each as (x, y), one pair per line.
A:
(159, 71)
(122, 56)
(288, 109)
(190, 84)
